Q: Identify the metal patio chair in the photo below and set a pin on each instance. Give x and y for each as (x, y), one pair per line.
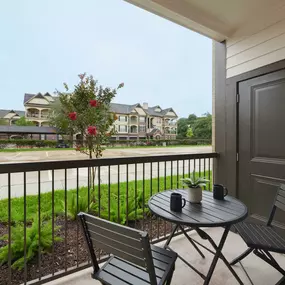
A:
(263, 239)
(133, 260)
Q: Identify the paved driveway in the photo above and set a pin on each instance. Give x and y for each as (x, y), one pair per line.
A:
(32, 156)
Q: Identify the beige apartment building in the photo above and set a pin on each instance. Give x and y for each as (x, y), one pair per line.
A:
(9, 117)
(141, 121)
(37, 107)
(134, 121)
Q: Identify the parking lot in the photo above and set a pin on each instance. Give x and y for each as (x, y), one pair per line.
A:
(33, 156)
(106, 174)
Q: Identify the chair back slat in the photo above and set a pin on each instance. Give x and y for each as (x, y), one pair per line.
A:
(281, 191)
(112, 238)
(279, 203)
(280, 198)
(97, 232)
(129, 232)
(126, 243)
(126, 255)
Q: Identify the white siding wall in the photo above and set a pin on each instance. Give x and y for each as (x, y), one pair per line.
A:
(260, 47)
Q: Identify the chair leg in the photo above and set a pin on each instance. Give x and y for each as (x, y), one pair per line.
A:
(170, 277)
(270, 260)
(242, 256)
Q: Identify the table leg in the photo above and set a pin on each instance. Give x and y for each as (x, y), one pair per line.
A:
(192, 242)
(220, 255)
(171, 236)
(189, 239)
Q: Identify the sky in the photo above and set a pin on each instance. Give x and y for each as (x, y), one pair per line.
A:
(46, 43)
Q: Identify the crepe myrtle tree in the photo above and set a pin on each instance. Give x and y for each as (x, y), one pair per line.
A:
(86, 111)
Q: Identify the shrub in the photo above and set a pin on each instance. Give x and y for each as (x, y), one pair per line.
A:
(74, 209)
(27, 143)
(119, 215)
(153, 142)
(33, 244)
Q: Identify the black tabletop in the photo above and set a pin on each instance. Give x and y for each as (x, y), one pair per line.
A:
(209, 213)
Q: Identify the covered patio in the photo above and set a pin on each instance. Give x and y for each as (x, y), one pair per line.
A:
(248, 154)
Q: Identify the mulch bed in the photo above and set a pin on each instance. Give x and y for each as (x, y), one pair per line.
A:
(69, 252)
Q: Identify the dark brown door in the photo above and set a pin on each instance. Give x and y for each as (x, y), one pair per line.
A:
(261, 144)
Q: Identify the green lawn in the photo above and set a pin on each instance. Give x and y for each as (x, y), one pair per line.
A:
(130, 197)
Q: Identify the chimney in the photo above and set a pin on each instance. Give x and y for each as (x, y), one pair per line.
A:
(145, 106)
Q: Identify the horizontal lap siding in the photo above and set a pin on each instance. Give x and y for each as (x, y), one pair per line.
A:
(259, 49)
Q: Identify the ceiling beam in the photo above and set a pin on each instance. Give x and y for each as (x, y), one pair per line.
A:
(182, 13)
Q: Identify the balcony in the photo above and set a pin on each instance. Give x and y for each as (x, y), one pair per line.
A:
(54, 192)
(133, 130)
(37, 115)
(133, 120)
(170, 123)
(33, 115)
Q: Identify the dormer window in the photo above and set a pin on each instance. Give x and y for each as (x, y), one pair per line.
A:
(157, 109)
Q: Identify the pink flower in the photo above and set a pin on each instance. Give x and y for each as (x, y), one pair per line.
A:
(93, 103)
(92, 130)
(72, 116)
(82, 75)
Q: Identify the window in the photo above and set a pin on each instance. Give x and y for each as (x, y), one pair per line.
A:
(123, 129)
(142, 119)
(158, 120)
(142, 129)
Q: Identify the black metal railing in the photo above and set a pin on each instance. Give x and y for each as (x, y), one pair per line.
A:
(40, 236)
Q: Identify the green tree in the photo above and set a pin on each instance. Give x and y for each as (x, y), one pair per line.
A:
(24, 122)
(189, 133)
(191, 119)
(182, 127)
(86, 111)
(202, 127)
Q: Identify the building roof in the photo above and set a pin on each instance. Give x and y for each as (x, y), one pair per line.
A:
(127, 109)
(4, 112)
(29, 96)
(151, 111)
(122, 108)
(27, 130)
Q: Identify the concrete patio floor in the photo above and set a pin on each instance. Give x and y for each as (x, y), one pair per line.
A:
(259, 272)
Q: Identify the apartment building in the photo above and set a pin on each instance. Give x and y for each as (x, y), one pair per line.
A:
(141, 121)
(9, 117)
(37, 107)
(134, 121)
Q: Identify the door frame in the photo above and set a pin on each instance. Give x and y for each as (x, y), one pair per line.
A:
(226, 115)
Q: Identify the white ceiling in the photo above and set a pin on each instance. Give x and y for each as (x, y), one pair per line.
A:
(217, 19)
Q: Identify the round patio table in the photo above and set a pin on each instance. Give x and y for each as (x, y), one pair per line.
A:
(209, 213)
